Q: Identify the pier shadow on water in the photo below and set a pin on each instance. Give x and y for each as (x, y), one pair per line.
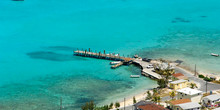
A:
(52, 56)
(60, 48)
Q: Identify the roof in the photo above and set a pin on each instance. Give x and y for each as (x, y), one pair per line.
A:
(177, 75)
(189, 91)
(181, 101)
(142, 102)
(189, 105)
(182, 77)
(213, 97)
(151, 106)
(178, 81)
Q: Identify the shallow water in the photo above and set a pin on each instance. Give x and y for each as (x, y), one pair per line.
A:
(38, 37)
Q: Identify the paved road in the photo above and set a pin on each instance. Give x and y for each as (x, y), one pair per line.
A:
(210, 86)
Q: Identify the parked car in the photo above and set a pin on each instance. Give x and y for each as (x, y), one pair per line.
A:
(147, 60)
(150, 66)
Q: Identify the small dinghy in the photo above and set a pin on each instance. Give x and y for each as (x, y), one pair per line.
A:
(135, 76)
(115, 62)
(216, 55)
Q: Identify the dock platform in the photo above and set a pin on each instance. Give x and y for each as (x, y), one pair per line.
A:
(146, 71)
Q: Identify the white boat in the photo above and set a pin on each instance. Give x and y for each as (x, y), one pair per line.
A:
(115, 62)
(135, 56)
(116, 54)
(216, 55)
(135, 76)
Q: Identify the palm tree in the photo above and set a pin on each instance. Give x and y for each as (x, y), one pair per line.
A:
(149, 96)
(159, 99)
(111, 106)
(154, 99)
(117, 104)
(172, 94)
(193, 85)
(134, 100)
(155, 92)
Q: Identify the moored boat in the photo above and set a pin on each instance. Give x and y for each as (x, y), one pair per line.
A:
(213, 54)
(115, 62)
(134, 76)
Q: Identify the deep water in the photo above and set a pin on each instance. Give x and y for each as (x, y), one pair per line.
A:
(38, 37)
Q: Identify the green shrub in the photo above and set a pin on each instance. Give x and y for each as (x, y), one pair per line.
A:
(201, 76)
(207, 79)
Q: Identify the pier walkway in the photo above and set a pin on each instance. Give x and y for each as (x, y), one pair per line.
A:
(145, 70)
(99, 55)
(124, 61)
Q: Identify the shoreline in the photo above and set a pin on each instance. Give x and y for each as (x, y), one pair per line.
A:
(199, 72)
(142, 95)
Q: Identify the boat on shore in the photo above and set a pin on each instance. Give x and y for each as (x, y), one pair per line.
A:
(115, 62)
(134, 76)
(213, 54)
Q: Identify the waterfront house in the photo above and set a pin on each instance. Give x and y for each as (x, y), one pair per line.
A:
(210, 101)
(188, 93)
(178, 76)
(147, 105)
(174, 104)
(178, 84)
(189, 106)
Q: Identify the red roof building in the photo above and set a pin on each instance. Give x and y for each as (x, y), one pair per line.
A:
(151, 106)
(179, 76)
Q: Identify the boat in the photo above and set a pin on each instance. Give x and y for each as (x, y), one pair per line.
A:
(116, 54)
(213, 54)
(135, 76)
(115, 62)
(135, 56)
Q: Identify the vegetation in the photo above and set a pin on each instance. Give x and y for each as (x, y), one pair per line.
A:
(158, 99)
(91, 106)
(149, 95)
(201, 76)
(88, 106)
(134, 100)
(155, 92)
(117, 104)
(172, 94)
(154, 99)
(193, 86)
(165, 73)
(162, 83)
(111, 105)
(207, 79)
(105, 107)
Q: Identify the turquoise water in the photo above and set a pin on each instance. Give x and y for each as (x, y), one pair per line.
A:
(38, 38)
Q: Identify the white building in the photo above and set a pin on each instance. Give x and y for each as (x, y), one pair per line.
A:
(188, 93)
(211, 100)
(189, 106)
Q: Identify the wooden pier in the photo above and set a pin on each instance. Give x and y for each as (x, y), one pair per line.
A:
(124, 61)
(99, 55)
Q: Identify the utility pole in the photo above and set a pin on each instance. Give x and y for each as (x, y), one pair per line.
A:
(61, 103)
(206, 86)
(195, 70)
(124, 103)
